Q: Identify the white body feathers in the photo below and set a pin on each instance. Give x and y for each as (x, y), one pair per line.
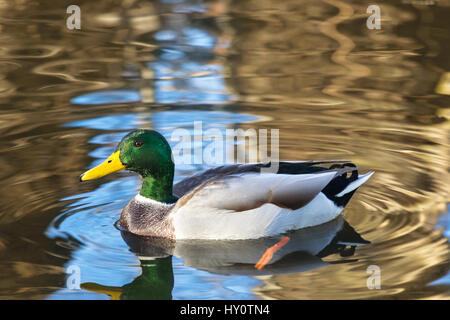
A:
(267, 220)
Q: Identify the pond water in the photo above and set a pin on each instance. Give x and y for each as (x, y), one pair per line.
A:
(312, 69)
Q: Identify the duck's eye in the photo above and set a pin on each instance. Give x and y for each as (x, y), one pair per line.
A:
(138, 144)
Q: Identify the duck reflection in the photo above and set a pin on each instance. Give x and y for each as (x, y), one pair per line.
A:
(303, 252)
(154, 283)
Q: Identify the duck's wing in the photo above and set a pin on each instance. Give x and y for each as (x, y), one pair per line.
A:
(286, 167)
(245, 187)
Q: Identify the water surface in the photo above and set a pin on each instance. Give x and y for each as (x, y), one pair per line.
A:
(311, 69)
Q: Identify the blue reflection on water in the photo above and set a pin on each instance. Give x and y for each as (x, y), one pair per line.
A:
(198, 38)
(116, 122)
(164, 120)
(109, 96)
(188, 82)
(169, 120)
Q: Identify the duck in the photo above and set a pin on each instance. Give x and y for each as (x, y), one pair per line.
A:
(230, 202)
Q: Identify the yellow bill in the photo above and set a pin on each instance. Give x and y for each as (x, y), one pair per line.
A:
(113, 292)
(110, 165)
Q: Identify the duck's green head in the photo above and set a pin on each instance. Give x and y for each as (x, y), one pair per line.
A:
(144, 151)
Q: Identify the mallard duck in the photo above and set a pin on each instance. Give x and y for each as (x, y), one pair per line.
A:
(236, 201)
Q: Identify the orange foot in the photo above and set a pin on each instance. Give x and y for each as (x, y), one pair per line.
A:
(267, 256)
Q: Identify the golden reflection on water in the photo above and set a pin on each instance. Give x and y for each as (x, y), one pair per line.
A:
(334, 88)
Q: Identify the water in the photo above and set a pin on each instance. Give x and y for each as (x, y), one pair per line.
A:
(311, 69)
